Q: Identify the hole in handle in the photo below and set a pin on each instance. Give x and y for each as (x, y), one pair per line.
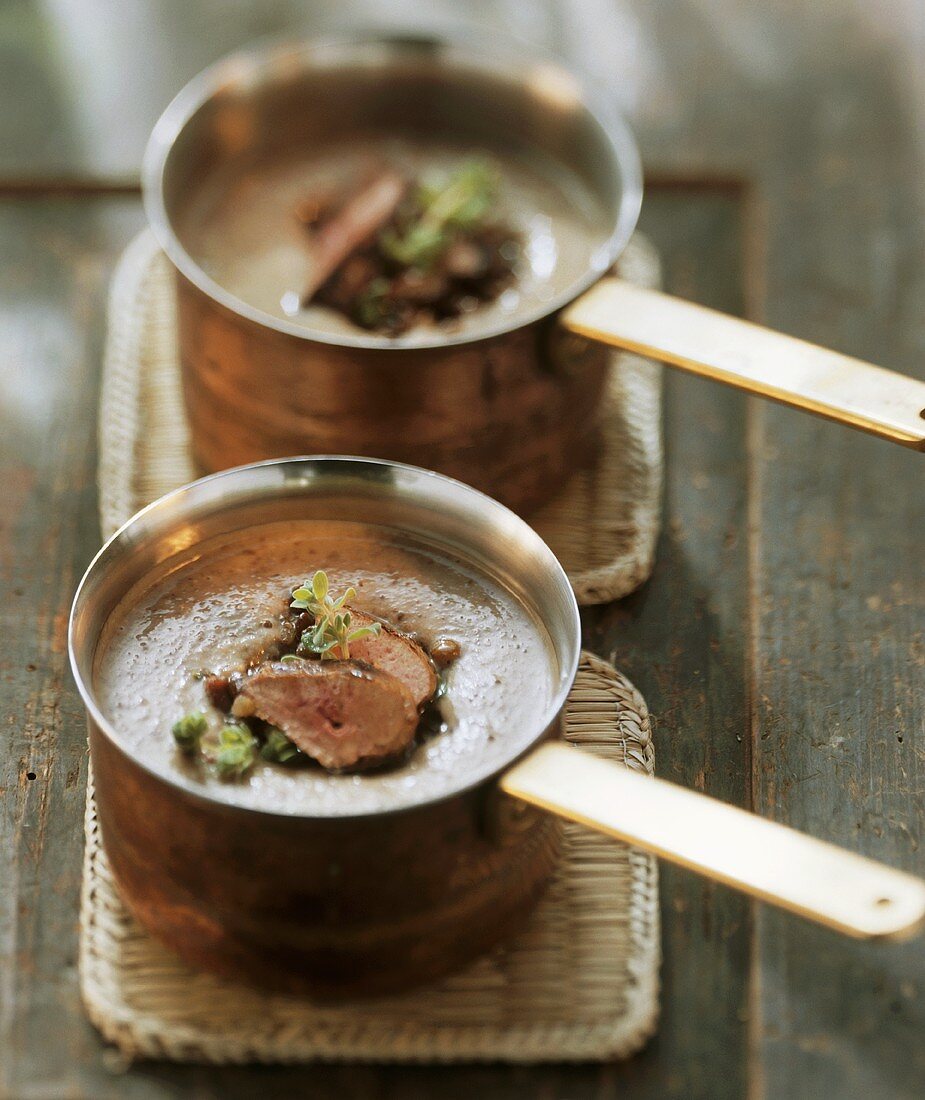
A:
(882, 903)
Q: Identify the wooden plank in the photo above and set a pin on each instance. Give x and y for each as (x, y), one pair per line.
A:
(839, 649)
(683, 639)
(52, 284)
(840, 742)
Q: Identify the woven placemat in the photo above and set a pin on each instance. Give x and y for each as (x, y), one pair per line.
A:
(602, 525)
(579, 983)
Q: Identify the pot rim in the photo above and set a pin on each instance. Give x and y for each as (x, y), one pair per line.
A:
(473, 48)
(173, 501)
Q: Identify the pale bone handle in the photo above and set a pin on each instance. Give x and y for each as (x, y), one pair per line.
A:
(752, 358)
(830, 885)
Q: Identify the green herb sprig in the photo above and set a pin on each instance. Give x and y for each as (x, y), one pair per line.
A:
(188, 732)
(231, 751)
(330, 636)
(372, 306)
(278, 749)
(458, 203)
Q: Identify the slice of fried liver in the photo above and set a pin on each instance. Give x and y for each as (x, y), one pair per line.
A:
(340, 713)
(395, 653)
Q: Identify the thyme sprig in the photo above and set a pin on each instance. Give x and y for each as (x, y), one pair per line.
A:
(231, 751)
(188, 732)
(447, 205)
(330, 636)
(278, 749)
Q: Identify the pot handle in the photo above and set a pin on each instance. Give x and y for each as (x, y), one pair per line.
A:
(830, 885)
(753, 358)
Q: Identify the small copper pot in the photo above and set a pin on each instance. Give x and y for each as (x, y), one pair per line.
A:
(511, 409)
(344, 904)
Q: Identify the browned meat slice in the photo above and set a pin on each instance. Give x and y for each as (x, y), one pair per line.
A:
(355, 223)
(397, 654)
(338, 712)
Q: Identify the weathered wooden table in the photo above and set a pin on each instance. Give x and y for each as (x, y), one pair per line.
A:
(780, 642)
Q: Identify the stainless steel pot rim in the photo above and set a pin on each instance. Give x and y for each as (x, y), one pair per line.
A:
(473, 49)
(174, 499)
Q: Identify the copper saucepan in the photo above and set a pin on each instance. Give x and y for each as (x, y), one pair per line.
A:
(352, 903)
(508, 408)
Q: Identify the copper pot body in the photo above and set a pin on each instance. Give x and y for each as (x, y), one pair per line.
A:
(337, 908)
(343, 905)
(511, 415)
(512, 409)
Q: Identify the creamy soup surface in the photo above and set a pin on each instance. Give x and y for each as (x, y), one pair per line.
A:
(212, 608)
(241, 228)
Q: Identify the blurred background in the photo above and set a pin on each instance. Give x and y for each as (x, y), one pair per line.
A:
(819, 105)
(780, 641)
